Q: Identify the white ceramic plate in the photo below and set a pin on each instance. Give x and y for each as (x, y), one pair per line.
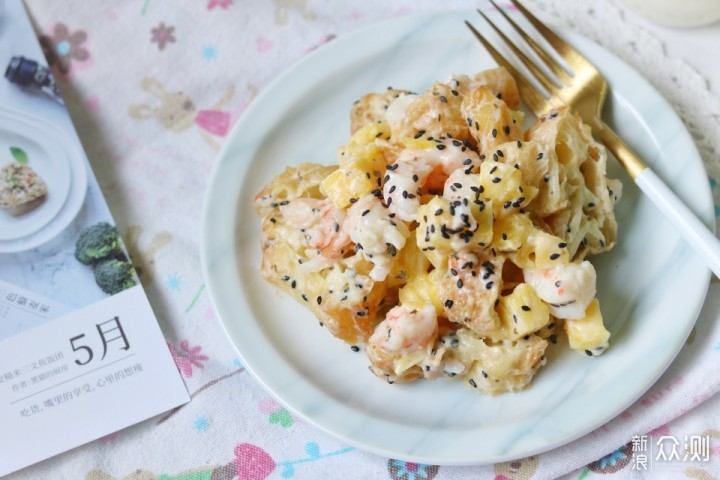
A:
(651, 286)
(59, 162)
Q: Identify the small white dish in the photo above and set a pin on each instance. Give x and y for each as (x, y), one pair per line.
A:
(651, 286)
(59, 162)
(47, 158)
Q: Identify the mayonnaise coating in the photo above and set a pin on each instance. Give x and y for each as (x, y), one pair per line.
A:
(376, 234)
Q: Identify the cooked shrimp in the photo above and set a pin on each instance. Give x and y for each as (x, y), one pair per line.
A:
(406, 330)
(320, 222)
(413, 169)
(375, 234)
(567, 289)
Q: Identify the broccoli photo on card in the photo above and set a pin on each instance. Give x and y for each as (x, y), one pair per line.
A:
(78, 336)
(100, 247)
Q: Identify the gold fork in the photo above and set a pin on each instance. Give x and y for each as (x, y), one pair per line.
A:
(584, 92)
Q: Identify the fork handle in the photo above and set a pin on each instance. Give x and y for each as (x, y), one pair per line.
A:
(700, 238)
(696, 233)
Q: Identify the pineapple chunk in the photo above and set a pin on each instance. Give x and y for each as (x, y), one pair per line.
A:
(503, 185)
(511, 231)
(523, 312)
(418, 143)
(367, 134)
(410, 263)
(361, 168)
(588, 334)
(423, 290)
(342, 185)
(541, 250)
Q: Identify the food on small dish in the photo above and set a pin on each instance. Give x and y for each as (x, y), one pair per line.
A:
(20, 185)
(447, 240)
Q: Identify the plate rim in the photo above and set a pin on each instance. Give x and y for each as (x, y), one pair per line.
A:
(207, 244)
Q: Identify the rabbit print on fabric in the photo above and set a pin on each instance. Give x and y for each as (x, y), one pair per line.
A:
(177, 112)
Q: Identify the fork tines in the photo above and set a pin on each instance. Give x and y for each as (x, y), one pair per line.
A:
(561, 77)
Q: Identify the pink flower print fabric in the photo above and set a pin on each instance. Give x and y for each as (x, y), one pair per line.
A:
(187, 357)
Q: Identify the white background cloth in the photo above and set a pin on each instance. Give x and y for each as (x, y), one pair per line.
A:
(219, 54)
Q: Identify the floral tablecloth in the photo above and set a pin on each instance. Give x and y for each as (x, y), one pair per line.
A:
(155, 87)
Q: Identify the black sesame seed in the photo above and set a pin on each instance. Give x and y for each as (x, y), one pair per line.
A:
(304, 297)
(554, 256)
(472, 382)
(448, 303)
(494, 132)
(506, 129)
(489, 285)
(562, 245)
(539, 156)
(440, 146)
(496, 179)
(355, 348)
(319, 300)
(525, 308)
(483, 374)
(459, 283)
(353, 200)
(588, 353)
(293, 284)
(365, 213)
